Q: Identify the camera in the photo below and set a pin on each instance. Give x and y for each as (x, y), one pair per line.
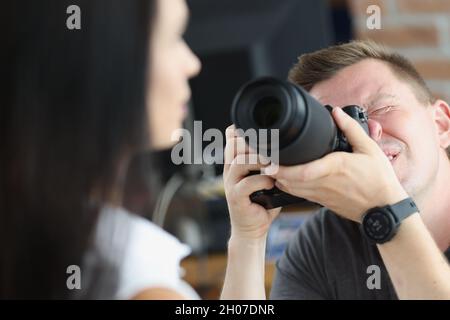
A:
(305, 128)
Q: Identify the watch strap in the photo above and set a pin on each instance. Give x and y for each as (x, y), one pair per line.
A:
(403, 209)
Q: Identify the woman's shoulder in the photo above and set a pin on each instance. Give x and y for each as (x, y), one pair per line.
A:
(151, 256)
(143, 233)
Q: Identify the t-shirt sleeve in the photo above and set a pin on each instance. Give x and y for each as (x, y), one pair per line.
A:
(300, 272)
(153, 260)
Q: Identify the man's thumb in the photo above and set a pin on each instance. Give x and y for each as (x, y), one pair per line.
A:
(355, 134)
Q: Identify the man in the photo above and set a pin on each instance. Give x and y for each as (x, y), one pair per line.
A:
(405, 164)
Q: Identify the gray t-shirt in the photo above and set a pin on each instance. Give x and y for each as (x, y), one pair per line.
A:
(330, 258)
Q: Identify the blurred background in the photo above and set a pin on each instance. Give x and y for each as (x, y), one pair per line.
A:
(238, 40)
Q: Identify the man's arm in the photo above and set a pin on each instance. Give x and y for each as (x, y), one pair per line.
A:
(300, 272)
(416, 266)
(158, 294)
(244, 278)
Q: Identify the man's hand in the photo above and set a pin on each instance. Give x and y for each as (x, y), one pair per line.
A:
(346, 183)
(248, 220)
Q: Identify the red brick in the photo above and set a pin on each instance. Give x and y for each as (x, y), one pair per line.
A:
(434, 69)
(403, 36)
(359, 7)
(424, 6)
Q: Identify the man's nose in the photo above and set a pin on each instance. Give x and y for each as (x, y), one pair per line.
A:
(375, 130)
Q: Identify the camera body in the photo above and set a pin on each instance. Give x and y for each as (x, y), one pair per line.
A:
(306, 129)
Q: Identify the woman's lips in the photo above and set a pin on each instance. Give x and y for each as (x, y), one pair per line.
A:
(185, 110)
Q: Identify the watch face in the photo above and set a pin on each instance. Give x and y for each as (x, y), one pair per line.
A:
(378, 225)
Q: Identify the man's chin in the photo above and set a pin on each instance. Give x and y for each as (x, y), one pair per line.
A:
(413, 188)
(404, 180)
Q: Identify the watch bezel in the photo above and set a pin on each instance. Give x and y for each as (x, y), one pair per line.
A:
(378, 213)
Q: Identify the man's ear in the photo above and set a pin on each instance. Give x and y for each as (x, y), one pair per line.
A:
(442, 120)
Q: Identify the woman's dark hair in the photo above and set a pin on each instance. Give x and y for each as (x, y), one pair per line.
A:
(72, 113)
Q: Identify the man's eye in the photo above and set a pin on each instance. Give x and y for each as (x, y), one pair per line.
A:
(381, 110)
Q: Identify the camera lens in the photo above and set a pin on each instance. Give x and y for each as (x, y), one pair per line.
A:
(267, 112)
(306, 130)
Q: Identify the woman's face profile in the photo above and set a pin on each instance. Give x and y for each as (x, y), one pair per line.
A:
(172, 65)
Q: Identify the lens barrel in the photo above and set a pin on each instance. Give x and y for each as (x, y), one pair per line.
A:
(306, 128)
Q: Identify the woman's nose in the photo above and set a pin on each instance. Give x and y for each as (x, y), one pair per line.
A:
(194, 64)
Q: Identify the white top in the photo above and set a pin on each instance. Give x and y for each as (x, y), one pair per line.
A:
(150, 257)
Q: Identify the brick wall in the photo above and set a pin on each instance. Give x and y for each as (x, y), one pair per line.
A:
(419, 29)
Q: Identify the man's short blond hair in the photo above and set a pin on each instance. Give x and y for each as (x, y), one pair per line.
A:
(322, 65)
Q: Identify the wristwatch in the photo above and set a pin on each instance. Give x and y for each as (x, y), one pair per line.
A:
(380, 224)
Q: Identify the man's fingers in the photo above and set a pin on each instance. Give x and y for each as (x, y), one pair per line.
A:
(230, 147)
(230, 131)
(233, 147)
(235, 144)
(355, 134)
(312, 170)
(250, 184)
(242, 165)
(306, 190)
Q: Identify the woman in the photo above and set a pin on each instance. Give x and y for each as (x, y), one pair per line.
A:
(77, 106)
